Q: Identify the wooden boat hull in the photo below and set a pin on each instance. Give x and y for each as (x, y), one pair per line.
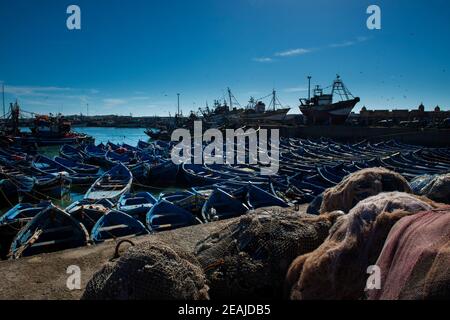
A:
(136, 205)
(336, 113)
(164, 215)
(89, 212)
(51, 230)
(112, 185)
(116, 225)
(163, 174)
(222, 205)
(14, 220)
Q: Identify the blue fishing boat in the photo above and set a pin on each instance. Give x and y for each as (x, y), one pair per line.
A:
(222, 205)
(175, 196)
(77, 166)
(96, 154)
(50, 186)
(88, 212)
(259, 198)
(160, 173)
(421, 182)
(116, 225)
(83, 180)
(36, 184)
(14, 220)
(49, 231)
(314, 206)
(15, 185)
(136, 205)
(199, 175)
(112, 146)
(47, 165)
(12, 157)
(127, 158)
(164, 215)
(138, 171)
(111, 185)
(70, 152)
(144, 145)
(189, 201)
(9, 194)
(130, 147)
(204, 191)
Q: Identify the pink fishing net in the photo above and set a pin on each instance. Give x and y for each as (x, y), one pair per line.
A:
(337, 269)
(415, 261)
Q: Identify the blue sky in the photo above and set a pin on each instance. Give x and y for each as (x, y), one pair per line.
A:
(134, 56)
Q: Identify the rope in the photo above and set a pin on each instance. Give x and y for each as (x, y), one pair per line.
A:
(117, 250)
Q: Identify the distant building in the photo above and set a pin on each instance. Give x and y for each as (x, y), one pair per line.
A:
(401, 116)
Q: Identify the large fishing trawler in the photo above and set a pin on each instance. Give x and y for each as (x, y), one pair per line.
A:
(323, 109)
(232, 113)
(257, 111)
(46, 130)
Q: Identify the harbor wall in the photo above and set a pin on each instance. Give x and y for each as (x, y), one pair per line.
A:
(431, 137)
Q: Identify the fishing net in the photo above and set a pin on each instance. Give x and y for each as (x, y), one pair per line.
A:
(337, 269)
(249, 256)
(415, 261)
(437, 188)
(361, 185)
(149, 271)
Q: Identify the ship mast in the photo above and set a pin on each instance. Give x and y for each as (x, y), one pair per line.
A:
(230, 98)
(340, 89)
(309, 87)
(233, 100)
(274, 99)
(4, 110)
(15, 113)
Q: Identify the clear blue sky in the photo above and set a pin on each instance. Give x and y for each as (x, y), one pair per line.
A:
(134, 56)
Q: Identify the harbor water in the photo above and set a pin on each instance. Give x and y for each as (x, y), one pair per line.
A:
(129, 136)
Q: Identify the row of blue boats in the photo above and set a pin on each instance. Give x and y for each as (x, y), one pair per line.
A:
(116, 181)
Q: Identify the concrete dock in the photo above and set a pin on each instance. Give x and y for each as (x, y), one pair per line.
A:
(44, 277)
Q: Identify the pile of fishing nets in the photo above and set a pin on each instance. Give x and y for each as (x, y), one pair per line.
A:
(337, 269)
(434, 187)
(361, 185)
(249, 257)
(415, 261)
(149, 271)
